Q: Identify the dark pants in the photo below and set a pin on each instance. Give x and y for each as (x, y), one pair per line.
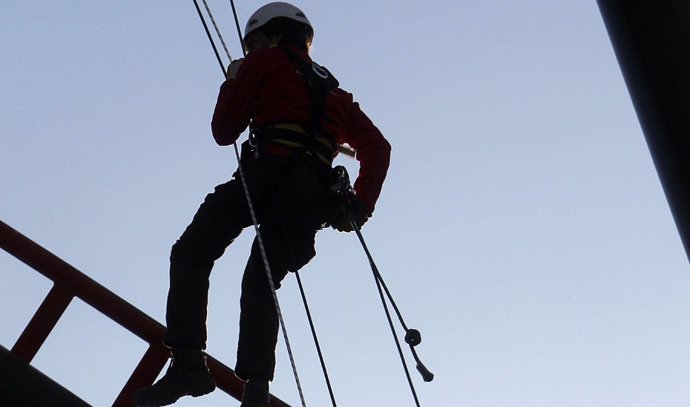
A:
(291, 201)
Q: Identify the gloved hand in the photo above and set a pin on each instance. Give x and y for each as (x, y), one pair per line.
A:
(233, 68)
(351, 209)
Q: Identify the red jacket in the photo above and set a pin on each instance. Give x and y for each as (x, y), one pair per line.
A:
(269, 90)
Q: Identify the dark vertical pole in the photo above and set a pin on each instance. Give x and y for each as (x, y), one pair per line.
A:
(652, 43)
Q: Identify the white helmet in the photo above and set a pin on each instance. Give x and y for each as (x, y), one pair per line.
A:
(273, 10)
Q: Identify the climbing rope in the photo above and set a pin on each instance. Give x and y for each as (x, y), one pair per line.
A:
(412, 336)
(379, 283)
(262, 248)
(215, 26)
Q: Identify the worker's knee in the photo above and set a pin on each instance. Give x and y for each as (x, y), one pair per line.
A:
(302, 256)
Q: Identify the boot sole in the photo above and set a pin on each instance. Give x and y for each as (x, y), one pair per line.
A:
(197, 392)
(202, 391)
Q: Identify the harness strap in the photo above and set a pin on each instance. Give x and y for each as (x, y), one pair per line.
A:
(284, 138)
(320, 81)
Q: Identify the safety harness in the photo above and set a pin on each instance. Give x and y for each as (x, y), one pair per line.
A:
(282, 138)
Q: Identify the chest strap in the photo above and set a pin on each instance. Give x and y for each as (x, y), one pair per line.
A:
(320, 81)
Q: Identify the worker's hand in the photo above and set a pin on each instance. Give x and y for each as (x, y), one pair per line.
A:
(233, 68)
(354, 210)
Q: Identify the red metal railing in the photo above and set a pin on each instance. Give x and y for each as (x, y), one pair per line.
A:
(68, 282)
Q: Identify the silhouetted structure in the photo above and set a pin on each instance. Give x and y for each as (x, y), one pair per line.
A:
(652, 43)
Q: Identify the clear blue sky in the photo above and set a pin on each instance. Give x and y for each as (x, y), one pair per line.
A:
(522, 227)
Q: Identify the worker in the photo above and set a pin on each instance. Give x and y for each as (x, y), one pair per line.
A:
(297, 116)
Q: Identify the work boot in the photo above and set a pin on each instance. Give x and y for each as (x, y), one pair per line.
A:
(256, 394)
(186, 375)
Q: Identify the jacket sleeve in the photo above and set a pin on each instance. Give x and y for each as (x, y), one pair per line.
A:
(233, 109)
(373, 154)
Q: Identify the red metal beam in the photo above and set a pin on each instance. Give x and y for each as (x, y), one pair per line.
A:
(71, 282)
(43, 321)
(80, 285)
(146, 372)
